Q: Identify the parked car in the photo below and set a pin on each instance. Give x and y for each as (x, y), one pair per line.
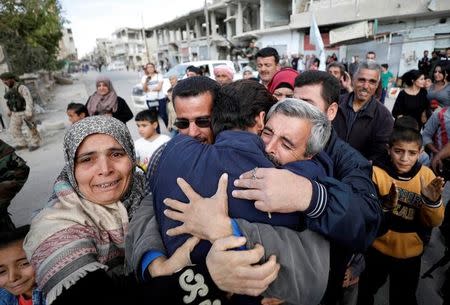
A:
(207, 67)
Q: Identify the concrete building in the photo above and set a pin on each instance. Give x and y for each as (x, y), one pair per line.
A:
(67, 48)
(398, 31)
(103, 50)
(131, 47)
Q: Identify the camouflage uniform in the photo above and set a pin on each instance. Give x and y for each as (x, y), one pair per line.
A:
(20, 104)
(250, 53)
(13, 175)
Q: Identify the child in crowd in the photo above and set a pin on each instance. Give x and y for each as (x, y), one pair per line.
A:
(147, 123)
(17, 277)
(76, 112)
(411, 197)
(386, 78)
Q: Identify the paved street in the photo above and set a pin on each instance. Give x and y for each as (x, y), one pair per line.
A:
(47, 162)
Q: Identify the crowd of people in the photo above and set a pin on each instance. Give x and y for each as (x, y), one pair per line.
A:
(296, 187)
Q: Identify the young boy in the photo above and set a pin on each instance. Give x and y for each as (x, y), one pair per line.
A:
(76, 112)
(386, 78)
(411, 199)
(147, 123)
(17, 277)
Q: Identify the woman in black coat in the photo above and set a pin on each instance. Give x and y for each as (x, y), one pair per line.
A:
(412, 101)
(106, 101)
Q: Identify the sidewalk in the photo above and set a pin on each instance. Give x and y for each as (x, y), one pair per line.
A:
(46, 162)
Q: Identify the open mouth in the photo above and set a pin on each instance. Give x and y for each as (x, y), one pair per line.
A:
(107, 185)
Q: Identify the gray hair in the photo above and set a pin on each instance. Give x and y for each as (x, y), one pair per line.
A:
(369, 66)
(321, 126)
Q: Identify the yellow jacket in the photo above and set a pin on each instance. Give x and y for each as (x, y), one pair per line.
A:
(411, 216)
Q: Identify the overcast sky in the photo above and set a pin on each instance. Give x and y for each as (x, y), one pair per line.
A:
(91, 19)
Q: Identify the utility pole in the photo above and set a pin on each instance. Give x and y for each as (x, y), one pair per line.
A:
(145, 39)
(207, 29)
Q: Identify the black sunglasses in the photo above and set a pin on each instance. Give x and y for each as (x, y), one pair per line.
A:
(201, 122)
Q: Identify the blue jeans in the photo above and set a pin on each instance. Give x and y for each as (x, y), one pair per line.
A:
(383, 95)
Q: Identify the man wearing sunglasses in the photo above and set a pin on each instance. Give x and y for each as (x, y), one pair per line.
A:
(193, 102)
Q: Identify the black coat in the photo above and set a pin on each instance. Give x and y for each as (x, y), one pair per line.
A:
(123, 113)
(371, 130)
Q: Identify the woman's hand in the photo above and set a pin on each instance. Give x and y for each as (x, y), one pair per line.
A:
(162, 266)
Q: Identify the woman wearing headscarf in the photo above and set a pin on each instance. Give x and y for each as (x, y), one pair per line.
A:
(223, 74)
(76, 243)
(282, 84)
(106, 102)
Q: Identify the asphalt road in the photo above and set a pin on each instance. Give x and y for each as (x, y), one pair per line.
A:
(47, 162)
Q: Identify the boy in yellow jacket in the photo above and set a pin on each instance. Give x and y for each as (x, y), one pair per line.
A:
(411, 197)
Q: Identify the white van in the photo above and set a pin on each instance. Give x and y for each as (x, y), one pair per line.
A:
(207, 67)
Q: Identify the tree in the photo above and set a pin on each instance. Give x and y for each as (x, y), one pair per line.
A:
(30, 31)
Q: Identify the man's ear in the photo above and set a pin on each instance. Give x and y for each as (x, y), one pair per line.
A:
(259, 119)
(332, 111)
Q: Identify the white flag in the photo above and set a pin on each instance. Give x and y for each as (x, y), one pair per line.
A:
(316, 39)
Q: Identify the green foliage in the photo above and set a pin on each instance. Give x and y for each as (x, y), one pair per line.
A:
(30, 31)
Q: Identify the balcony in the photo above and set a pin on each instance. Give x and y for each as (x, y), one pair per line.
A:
(329, 12)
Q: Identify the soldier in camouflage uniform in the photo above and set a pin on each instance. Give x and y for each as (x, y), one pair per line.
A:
(13, 175)
(20, 105)
(250, 54)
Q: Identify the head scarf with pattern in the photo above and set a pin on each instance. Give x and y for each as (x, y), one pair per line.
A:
(104, 125)
(72, 236)
(101, 104)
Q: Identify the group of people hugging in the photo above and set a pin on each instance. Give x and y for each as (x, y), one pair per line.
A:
(255, 201)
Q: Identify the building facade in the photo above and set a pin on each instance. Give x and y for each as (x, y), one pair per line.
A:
(67, 48)
(398, 31)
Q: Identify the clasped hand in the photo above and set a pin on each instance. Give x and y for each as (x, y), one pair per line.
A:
(205, 218)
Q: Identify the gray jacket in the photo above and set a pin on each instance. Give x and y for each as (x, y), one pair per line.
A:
(304, 256)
